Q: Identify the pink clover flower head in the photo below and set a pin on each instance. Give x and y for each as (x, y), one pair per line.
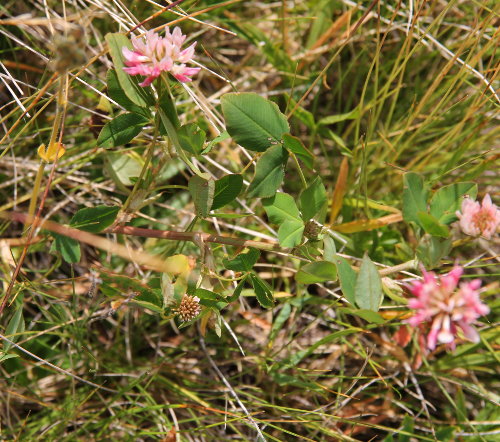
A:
(154, 54)
(446, 306)
(479, 218)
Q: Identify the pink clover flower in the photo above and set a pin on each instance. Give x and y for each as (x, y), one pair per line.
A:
(446, 307)
(479, 218)
(154, 54)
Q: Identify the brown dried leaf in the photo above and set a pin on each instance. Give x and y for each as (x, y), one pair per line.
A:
(365, 225)
(339, 191)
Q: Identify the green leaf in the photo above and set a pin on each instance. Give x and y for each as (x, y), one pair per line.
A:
(319, 271)
(269, 173)
(202, 191)
(130, 85)
(171, 130)
(347, 278)
(168, 106)
(254, 122)
(293, 144)
(432, 249)
(122, 287)
(191, 138)
(149, 299)
(237, 291)
(230, 215)
(121, 130)
(4, 357)
(14, 327)
(210, 299)
(290, 233)
(368, 289)
(226, 190)
(447, 200)
(69, 248)
(243, 262)
(223, 136)
(279, 320)
(313, 199)
(353, 115)
(262, 290)
(447, 434)
(328, 133)
(281, 209)
(329, 249)
(432, 226)
(367, 315)
(94, 219)
(124, 166)
(116, 93)
(414, 197)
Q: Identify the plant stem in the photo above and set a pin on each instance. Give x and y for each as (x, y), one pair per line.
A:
(149, 155)
(189, 236)
(413, 264)
(36, 191)
(301, 174)
(53, 136)
(172, 134)
(284, 27)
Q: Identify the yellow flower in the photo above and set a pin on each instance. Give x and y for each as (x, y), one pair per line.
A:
(49, 154)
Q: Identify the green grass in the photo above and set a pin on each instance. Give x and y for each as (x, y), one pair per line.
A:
(412, 88)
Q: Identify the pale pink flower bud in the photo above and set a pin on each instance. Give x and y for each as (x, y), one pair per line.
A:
(479, 219)
(445, 307)
(154, 54)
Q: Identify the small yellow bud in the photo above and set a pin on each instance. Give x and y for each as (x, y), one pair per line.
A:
(49, 154)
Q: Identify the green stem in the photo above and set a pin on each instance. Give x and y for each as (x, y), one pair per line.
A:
(171, 186)
(172, 135)
(138, 183)
(36, 191)
(181, 244)
(53, 137)
(301, 174)
(409, 265)
(59, 113)
(172, 131)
